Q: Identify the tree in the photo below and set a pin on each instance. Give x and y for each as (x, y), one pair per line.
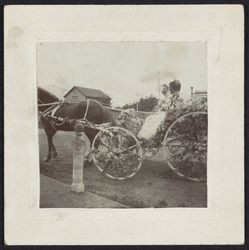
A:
(145, 104)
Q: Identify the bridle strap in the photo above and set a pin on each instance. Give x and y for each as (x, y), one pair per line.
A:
(55, 109)
(87, 106)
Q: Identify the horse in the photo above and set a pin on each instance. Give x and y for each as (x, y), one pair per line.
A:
(68, 113)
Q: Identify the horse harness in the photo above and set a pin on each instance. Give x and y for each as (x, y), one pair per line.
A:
(49, 114)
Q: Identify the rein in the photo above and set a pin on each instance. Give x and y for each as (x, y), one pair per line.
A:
(48, 104)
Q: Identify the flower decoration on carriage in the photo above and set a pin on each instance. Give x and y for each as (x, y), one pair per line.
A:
(128, 119)
(182, 107)
(179, 109)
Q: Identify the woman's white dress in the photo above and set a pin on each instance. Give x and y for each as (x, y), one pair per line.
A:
(154, 121)
(151, 125)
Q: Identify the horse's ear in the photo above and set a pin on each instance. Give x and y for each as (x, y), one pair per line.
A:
(46, 96)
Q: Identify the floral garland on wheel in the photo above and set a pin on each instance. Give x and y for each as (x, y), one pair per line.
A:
(181, 108)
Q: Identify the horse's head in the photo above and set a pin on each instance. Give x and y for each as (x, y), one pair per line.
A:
(45, 97)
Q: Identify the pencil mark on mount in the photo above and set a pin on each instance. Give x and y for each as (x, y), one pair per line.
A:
(13, 35)
(219, 47)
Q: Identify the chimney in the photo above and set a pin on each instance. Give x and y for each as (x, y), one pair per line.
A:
(192, 90)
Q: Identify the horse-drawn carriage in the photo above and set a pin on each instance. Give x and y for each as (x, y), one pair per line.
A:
(182, 137)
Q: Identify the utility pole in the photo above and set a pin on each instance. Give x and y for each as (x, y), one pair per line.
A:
(158, 83)
(137, 101)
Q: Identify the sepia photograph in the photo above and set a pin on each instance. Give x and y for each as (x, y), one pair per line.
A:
(123, 123)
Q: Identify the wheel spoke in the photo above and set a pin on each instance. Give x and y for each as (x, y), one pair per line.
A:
(120, 142)
(128, 149)
(176, 138)
(128, 160)
(105, 145)
(122, 169)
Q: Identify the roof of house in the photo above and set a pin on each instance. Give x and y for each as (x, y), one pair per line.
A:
(92, 93)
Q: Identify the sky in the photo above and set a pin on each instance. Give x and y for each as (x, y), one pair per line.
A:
(125, 71)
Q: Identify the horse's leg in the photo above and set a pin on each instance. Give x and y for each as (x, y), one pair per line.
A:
(88, 157)
(49, 155)
(54, 152)
(50, 132)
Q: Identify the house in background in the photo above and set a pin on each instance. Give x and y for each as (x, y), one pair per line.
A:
(78, 94)
(197, 93)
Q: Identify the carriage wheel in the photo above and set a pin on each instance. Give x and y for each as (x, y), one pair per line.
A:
(117, 153)
(186, 146)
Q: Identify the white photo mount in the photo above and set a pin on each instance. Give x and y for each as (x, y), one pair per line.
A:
(222, 222)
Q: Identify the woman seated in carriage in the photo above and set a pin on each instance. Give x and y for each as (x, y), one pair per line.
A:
(148, 128)
(169, 101)
(170, 95)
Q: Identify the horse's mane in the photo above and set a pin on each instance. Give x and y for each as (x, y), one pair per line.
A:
(45, 96)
